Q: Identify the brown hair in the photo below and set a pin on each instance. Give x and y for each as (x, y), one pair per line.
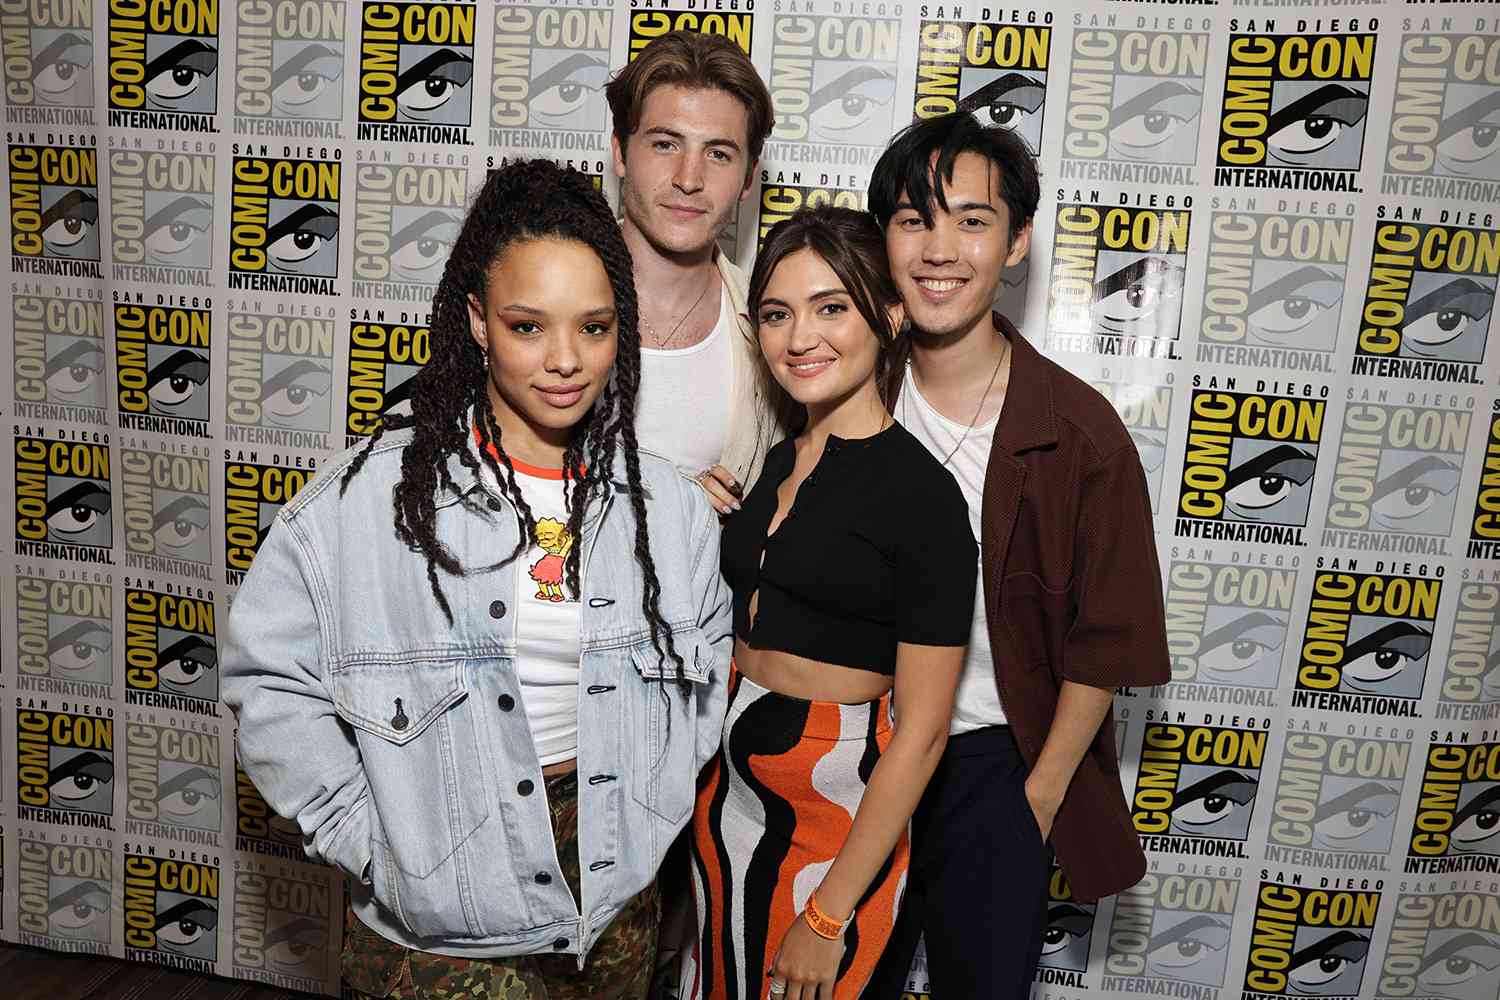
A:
(696, 61)
(852, 244)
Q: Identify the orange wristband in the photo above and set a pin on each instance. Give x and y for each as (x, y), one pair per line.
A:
(822, 924)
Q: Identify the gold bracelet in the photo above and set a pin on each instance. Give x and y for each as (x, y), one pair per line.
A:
(822, 924)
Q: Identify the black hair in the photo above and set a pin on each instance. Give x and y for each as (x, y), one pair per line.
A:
(523, 201)
(905, 171)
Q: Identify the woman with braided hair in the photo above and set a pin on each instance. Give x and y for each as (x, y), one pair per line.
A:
(482, 656)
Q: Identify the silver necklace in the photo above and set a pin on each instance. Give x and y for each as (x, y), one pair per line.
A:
(977, 411)
(661, 344)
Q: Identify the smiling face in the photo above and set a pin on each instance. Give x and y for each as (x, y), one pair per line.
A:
(547, 325)
(949, 272)
(684, 168)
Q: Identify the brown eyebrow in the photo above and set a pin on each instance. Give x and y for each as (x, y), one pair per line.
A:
(674, 134)
(954, 208)
(604, 312)
(822, 293)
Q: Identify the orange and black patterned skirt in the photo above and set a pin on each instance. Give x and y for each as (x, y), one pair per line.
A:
(774, 808)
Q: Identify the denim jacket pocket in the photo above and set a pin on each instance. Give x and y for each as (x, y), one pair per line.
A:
(663, 778)
(416, 739)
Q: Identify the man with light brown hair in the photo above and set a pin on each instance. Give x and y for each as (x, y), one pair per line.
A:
(690, 117)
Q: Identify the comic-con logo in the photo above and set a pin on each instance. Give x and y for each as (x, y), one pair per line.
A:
(1274, 289)
(995, 72)
(1174, 928)
(171, 653)
(284, 227)
(1470, 688)
(253, 495)
(1135, 98)
(64, 635)
(1293, 114)
(54, 208)
(1395, 484)
(1367, 640)
(165, 500)
(162, 364)
(405, 221)
(1117, 277)
(257, 829)
(549, 74)
(161, 216)
(1336, 794)
(281, 925)
(1146, 411)
(59, 354)
(1446, 114)
(416, 67)
(783, 193)
(1195, 790)
(1429, 299)
(1309, 942)
(1067, 935)
(383, 357)
(163, 64)
(1484, 521)
(63, 499)
(289, 68)
(172, 783)
(171, 910)
(63, 894)
(833, 85)
(650, 19)
(1226, 625)
(65, 764)
(49, 63)
(1457, 825)
(1248, 469)
(280, 384)
(1443, 944)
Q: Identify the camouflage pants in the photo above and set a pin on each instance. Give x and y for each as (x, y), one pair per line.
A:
(618, 968)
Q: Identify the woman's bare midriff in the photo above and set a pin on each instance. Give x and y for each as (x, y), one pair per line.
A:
(813, 680)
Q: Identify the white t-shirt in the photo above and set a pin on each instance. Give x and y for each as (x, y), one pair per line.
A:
(682, 410)
(547, 647)
(978, 701)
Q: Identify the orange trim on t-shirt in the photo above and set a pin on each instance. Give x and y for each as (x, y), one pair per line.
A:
(534, 471)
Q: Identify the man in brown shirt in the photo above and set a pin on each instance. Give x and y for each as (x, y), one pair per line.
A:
(1071, 602)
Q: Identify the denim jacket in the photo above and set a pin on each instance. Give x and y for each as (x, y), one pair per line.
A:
(399, 742)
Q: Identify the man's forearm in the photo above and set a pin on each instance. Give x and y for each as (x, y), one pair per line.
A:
(1081, 709)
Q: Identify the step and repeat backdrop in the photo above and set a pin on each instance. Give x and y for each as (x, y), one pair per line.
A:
(1268, 235)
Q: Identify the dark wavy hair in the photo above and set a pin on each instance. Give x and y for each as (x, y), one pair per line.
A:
(523, 201)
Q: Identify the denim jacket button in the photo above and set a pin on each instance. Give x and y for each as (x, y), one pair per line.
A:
(497, 609)
(494, 504)
(399, 720)
(560, 944)
(525, 787)
(506, 703)
(542, 878)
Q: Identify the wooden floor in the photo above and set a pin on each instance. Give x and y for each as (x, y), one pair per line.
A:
(34, 974)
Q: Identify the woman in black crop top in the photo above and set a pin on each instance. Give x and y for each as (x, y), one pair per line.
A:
(853, 571)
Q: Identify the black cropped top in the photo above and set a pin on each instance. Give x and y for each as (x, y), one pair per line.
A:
(875, 550)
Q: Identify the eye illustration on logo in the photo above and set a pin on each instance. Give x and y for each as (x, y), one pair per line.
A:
(1321, 126)
(191, 798)
(296, 395)
(1216, 805)
(70, 224)
(80, 912)
(74, 369)
(172, 385)
(1155, 125)
(62, 70)
(858, 99)
(179, 233)
(295, 945)
(1141, 298)
(305, 81)
(1245, 650)
(1419, 496)
(428, 90)
(1476, 825)
(420, 248)
(1010, 100)
(180, 525)
(1193, 947)
(178, 78)
(186, 662)
(566, 95)
(1449, 321)
(186, 927)
(1359, 819)
(299, 242)
(1377, 662)
(1332, 966)
(1464, 965)
(81, 781)
(80, 650)
(1065, 941)
(79, 513)
(1273, 485)
(1296, 308)
(1466, 145)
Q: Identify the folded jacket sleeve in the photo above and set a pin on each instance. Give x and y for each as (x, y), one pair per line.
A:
(291, 743)
(937, 565)
(1118, 634)
(716, 619)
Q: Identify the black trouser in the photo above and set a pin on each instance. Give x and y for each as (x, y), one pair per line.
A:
(978, 883)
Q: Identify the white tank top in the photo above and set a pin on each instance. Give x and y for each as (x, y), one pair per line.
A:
(682, 410)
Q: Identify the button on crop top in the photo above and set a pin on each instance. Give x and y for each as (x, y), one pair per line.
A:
(875, 550)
